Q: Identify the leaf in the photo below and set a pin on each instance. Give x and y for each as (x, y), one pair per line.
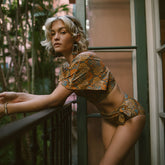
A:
(38, 14)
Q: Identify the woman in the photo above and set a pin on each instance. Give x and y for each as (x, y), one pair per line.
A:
(122, 117)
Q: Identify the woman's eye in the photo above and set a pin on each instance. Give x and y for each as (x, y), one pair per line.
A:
(63, 32)
(52, 34)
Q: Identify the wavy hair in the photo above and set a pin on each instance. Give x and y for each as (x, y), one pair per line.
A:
(74, 28)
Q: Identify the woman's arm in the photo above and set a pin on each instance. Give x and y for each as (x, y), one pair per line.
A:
(38, 102)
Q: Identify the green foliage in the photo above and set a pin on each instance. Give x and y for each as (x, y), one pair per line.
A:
(24, 41)
(19, 40)
(26, 148)
(7, 154)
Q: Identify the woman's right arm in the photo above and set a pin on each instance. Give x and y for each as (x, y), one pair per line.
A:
(37, 102)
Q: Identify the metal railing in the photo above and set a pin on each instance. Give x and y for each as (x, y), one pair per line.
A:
(41, 138)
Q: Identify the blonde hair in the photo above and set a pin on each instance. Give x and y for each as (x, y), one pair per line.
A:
(73, 26)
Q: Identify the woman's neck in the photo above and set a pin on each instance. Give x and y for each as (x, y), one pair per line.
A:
(69, 58)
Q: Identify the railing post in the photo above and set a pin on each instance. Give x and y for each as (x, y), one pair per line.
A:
(142, 79)
(82, 103)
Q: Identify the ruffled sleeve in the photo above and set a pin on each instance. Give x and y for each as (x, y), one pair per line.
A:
(87, 72)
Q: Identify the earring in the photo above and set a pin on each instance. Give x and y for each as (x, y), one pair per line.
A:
(75, 49)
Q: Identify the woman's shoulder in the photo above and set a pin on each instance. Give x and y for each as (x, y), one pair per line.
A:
(86, 54)
(86, 57)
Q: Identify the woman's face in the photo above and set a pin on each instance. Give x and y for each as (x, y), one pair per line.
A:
(62, 40)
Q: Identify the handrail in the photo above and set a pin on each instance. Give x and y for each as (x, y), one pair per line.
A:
(56, 126)
(16, 128)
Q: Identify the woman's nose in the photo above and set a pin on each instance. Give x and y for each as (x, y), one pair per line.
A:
(56, 36)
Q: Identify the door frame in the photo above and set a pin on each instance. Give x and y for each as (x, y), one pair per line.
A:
(157, 115)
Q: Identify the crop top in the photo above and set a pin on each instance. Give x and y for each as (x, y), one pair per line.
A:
(87, 76)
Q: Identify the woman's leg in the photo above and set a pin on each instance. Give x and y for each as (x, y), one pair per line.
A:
(124, 137)
(108, 131)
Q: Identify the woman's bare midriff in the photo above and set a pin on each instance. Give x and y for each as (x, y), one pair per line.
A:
(113, 100)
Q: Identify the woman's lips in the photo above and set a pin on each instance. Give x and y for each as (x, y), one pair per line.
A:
(57, 44)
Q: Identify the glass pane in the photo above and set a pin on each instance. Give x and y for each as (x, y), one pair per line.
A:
(162, 20)
(108, 22)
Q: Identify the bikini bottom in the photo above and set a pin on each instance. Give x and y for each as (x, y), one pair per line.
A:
(128, 109)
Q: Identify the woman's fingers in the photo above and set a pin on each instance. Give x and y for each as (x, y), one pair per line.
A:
(2, 98)
(7, 96)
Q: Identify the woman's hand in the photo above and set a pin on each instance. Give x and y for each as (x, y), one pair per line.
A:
(8, 97)
(15, 97)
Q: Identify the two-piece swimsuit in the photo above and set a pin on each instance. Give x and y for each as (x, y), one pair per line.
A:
(87, 76)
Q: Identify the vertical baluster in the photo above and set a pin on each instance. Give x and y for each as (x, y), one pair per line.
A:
(57, 139)
(18, 153)
(65, 136)
(61, 137)
(34, 146)
(45, 142)
(52, 142)
(70, 134)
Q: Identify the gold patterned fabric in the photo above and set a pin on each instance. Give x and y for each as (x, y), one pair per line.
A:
(128, 109)
(88, 77)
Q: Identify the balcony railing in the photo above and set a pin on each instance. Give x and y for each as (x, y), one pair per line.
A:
(41, 138)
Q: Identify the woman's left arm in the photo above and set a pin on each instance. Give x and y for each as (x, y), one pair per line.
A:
(39, 102)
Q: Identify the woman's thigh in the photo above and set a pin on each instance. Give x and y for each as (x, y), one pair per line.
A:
(108, 131)
(124, 137)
